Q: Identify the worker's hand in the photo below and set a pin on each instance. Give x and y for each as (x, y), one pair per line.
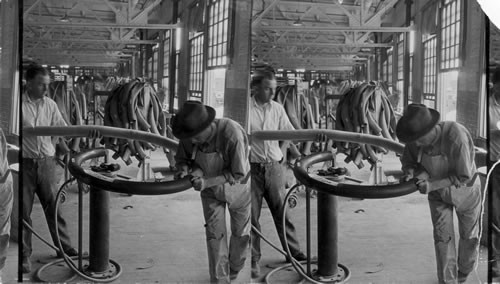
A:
(424, 186)
(198, 183)
(408, 175)
(423, 175)
(182, 172)
(94, 133)
(197, 172)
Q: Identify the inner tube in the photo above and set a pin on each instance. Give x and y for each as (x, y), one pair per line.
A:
(108, 183)
(347, 190)
(121, 186)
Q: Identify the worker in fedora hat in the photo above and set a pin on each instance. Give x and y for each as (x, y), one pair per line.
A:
(214, 153)
(440, 156)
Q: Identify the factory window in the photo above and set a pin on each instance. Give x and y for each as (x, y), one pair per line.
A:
(400, 73)
(383, 75)
(389, 67)
(166, 65)
(430, 71)
(218, 26)
(196, 68)
(155, 65)
(450, 34)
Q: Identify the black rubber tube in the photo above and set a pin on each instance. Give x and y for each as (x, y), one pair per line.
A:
(118, 185)
(348, 190)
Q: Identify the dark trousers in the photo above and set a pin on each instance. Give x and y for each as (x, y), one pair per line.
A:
(495, 214)
(268, 183)
(40, 176)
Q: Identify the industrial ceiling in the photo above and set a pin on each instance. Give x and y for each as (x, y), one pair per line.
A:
(98, 33)
(328, 35)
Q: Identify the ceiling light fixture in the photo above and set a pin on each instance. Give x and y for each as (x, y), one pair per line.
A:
(298, 23)
(340, 2)
(64, 18)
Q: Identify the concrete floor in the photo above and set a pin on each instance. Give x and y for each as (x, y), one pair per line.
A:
(161, 239)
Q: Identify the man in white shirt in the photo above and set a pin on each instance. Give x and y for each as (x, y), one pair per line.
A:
(38, 165)
(267, 164)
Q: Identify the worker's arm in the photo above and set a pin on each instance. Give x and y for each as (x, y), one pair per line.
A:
(236, 149)
(182, 161)
(409, 162)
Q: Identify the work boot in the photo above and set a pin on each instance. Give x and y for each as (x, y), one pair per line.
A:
(69, 252)
(462, 277)
(26, 264)
(255, 269)
(495, 269)
(233, 274)
(299, 257)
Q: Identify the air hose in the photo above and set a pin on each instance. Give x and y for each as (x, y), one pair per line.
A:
(295, 263)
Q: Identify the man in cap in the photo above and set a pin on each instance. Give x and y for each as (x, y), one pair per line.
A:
(6, 200)
(494, 140)
(214, 152)
(440, 155)
(267, 165)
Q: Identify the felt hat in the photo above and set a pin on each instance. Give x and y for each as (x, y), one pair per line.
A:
(417, 120)
(192, 119)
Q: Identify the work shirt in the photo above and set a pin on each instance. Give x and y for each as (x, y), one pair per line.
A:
(270, 116)
(40, 112)
(4, 164)
(453, 141)
(230, 140)
(494, 110)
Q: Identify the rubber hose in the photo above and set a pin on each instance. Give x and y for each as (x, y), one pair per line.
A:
(311, 134)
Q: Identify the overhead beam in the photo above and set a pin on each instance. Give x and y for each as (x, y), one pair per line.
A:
(263, 13)
(92, 40)
(323, 5)
(327, 44)
(30, 8)
(103, 25)
(37, 49)
(378, 15)
(339, 29)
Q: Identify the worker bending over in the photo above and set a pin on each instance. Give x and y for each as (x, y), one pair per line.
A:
(440, 155)
(214, 152)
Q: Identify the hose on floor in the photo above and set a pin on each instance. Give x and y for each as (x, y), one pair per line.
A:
(59, 249)
(297, 265)
(481, 216)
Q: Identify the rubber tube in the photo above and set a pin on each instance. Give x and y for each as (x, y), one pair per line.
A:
(83, 131)
(347, 136)
(122, 186)
(348, 190)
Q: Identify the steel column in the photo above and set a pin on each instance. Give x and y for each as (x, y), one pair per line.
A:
(327, 235)
(99, 230)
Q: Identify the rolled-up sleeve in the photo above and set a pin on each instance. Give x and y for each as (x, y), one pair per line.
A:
(462, 157)
(237, 150)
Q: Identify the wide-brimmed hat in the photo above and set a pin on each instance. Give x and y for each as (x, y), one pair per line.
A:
(192, 119)
(417, 120)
